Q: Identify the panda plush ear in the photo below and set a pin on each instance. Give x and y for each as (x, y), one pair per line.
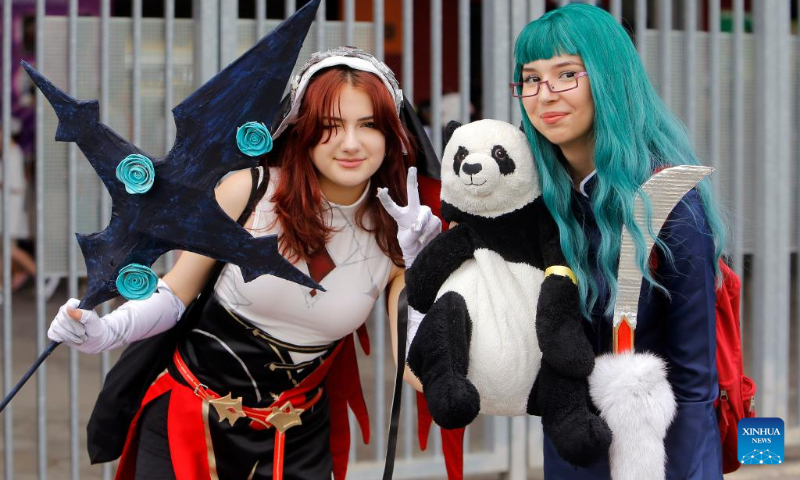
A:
(451, 127)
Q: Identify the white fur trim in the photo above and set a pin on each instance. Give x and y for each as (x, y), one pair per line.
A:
(634, 397)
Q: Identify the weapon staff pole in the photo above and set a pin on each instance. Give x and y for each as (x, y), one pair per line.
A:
(28, 374)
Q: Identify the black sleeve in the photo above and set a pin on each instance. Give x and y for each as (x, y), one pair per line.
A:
(689, 339)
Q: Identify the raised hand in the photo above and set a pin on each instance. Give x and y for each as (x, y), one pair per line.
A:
(416, 224)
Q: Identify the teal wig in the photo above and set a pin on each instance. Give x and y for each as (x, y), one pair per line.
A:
(634, 132)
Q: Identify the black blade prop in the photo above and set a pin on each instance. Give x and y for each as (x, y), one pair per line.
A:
(178, 210)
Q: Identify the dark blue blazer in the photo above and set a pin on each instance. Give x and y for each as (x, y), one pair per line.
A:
(680, 329)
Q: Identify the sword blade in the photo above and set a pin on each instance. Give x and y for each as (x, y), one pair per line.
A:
(664, 189)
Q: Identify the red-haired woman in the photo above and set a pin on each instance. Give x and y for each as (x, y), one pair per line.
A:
(253, 364)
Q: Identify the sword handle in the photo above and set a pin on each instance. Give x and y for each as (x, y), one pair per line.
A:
(623, 336)
(46, 353)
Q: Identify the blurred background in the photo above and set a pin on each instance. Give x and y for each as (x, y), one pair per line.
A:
(729, 68)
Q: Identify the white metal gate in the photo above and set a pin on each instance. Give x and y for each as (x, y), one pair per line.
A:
(139, 68)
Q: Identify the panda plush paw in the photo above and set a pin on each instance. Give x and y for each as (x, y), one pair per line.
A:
(453, 401)
(580, 438)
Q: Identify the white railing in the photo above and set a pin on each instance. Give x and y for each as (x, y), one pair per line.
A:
(736, 90)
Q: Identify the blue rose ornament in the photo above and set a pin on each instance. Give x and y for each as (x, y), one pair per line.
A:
(253, 139)
(137, 173)
(136, 282)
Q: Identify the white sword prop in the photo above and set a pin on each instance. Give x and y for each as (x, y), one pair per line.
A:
(631, 389)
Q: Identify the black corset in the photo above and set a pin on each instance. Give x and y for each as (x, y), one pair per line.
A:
(227, 353)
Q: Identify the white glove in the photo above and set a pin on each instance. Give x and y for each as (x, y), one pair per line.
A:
(414, 319)
(133, 320)
(416, 224)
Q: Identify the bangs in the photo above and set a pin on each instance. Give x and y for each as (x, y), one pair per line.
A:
(323, 96)
(384, 112)
(322, 99)
(543, 39)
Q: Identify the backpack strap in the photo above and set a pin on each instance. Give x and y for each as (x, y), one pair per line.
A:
(256, 192)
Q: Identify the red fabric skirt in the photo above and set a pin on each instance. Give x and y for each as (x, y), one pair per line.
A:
(199, 443)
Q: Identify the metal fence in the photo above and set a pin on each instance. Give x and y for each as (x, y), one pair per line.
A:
(736, 90)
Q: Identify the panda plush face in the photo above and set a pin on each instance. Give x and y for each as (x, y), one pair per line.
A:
(488, 170)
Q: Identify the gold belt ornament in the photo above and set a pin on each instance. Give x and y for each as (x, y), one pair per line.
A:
(227, 407)
(285, 417)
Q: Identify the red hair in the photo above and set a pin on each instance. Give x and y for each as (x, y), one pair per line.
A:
(298, 197)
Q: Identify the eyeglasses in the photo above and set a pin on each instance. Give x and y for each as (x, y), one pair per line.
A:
(530, 88)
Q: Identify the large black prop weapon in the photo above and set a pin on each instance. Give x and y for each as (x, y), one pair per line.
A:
(179, 211)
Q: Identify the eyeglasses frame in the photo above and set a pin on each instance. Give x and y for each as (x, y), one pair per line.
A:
(512, 86)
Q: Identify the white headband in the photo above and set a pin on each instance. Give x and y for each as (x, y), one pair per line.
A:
(350, 57)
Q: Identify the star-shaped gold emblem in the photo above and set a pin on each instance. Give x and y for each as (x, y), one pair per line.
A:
(228, 408)
(285, 417)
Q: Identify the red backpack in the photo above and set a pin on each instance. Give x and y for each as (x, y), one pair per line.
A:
(736, 390)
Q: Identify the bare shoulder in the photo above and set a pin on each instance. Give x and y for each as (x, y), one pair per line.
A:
(397, 272)
(233, 193)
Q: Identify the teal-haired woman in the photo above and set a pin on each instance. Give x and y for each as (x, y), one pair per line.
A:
(598, 131)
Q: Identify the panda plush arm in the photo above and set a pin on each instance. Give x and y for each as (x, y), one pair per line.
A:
(559, 323)
(435, 263)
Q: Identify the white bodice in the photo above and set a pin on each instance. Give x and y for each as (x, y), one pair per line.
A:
(358, 272)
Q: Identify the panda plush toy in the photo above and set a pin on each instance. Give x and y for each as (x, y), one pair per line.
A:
(503, 332)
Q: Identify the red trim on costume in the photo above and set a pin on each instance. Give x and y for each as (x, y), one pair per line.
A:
(312, 381)
(190, 441)
(363, 338)
(452, 440)
(186, 427)
(453, 449)
(319, 266)
(127, 461)
(260, 417)
(343, 385)
(277, 466)
(187, 434)
(424, 421)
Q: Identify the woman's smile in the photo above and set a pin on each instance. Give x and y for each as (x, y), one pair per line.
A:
(352, 150)
(571, 111)
(349, 162)
(551, 118)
